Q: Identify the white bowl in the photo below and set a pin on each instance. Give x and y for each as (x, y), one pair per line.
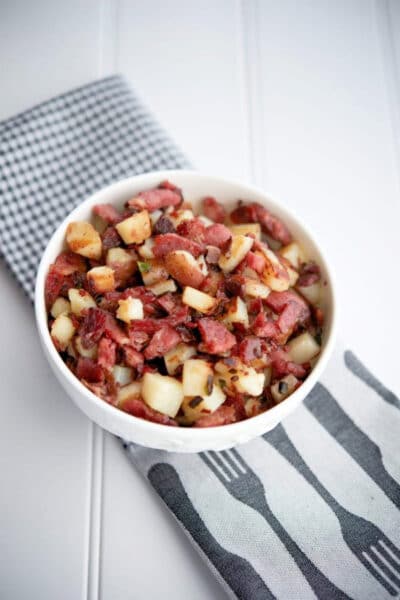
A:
(178, 439)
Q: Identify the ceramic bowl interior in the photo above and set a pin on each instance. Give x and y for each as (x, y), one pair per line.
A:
(194, 186)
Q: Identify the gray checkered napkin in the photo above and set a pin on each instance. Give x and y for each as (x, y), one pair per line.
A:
(309, 510)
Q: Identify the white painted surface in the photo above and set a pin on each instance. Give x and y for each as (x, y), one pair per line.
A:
(300, 97)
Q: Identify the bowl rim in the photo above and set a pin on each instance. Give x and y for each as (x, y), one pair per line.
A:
(157, 429)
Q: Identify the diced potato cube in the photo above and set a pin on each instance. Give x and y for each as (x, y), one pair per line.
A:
(162, 287)
(135, 229)
(83, 239)
(155, 215)
(162, 393)
(250, 273)
(294, 254)
(256, 289)
(130, 309)
(132, 390)
(146, 249)
(123, 263)
(206, 220)
(119, 257)
(71, 350)
(153, 270)
(177, 357)
(240, 246)
(245, 228)
(85, 352)
(275, 274)
(178, 216)
(293, 276)
(62, 331)
(240, 377)
(250, 382)
(197, 377)
(201, 261)
(122, 375)
(101, 279)
(253, 406)
(223, 368)
(198, 406)
(198, 300)
(312, 293)
(283, 388)
(268, 375)
(80, 300)
(183, 267)
(272, 243)
(303, 348)
(237, 312)
(61, 305)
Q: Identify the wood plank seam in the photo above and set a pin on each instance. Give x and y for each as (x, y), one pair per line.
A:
(95, 512)
(107, 59)
(391, 71)
(254, 87)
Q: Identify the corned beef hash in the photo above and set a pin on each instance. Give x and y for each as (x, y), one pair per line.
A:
(184, 319)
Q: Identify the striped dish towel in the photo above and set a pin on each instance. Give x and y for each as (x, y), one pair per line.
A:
(311, 509)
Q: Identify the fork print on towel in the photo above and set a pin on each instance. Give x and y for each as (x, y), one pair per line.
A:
(244, 485)
(328, 412)
(235, 570)
(357, 368)
(370, 545)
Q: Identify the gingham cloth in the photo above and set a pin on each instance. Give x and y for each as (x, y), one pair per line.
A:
(310, 510)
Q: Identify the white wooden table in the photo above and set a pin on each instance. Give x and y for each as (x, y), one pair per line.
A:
(299, 96)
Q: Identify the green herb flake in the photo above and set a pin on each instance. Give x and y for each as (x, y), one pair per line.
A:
(195, 401)
(222, 383)
(144, 267)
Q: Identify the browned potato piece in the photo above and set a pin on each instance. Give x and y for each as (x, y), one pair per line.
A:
(275, 275)
(83, 239)
(200, 301)
(294, 253)
(132, 390)
(178, 356)
(62, 331)
(162, 393)
(61, 305)
(256, 289)
(246, 228)
(198, 406)
(183, 267)
(135, 229)
(101, 279)
(162, 287)
(152, 271)
(130, 309)
(237, 312)
(146, 249)
(122, 263)
(239, 247)
(80, 300)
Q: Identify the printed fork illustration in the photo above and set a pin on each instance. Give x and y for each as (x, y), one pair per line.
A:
(244, 485)
(370, 545)
(360, 371)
